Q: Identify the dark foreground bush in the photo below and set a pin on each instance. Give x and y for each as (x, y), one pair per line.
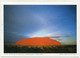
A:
(51, 49)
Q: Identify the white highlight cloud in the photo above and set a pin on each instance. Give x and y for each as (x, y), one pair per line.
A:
(42, 33)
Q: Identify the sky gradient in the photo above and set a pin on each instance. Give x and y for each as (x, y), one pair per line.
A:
(26, 21)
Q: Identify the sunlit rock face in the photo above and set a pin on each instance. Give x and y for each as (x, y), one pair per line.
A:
(38, 41)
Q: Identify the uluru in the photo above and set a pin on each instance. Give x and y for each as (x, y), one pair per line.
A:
(37, 41)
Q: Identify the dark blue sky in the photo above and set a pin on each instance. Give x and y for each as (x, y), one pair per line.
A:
(25, 21)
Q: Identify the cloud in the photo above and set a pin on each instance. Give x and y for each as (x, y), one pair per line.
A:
(43, 32)
(50, 36)
(57, 36)
(67, 35)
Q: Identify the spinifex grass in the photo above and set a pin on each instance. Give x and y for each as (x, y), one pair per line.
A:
(40, 48)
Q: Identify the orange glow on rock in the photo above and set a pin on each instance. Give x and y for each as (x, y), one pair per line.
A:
(38, 41)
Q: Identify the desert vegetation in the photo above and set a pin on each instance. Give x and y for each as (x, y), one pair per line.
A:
(39, 49)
